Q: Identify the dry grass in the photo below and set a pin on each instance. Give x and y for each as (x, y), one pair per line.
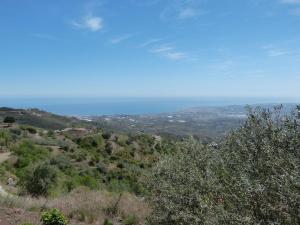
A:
(90, 207)
(4, 156)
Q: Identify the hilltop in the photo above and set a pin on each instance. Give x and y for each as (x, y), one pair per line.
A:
(41, 119)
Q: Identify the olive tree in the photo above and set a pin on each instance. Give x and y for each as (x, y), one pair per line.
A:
(253, 177)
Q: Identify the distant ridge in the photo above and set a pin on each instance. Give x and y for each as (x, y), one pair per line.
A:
(40, 119)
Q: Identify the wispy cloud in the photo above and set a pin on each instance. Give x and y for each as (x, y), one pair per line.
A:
(182, 9)
(150, 42)
(92, 23)
(274, 51)
(295, 6)
(118, 40)
(295, 12)
(176, 55)
(162, 49)
(186, 13)
(169, 52)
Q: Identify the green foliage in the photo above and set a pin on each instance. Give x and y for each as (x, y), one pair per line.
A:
(61, 162)
(130, 220)
(53, 217)
(251, 178)
(95, 160)
(42, 178)
(31, 130)
(108, 222)
(29, 153)
(9, 119)
(5, 138)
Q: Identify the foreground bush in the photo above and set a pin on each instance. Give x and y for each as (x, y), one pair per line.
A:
(252, 178)
(53, 217)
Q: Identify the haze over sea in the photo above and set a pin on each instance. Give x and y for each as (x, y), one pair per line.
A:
(129, 105)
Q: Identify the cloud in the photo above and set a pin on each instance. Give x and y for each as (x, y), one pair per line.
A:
(150, 42)
(187, 13)
(295, 12)
(162, 49)
(92, 23)
(122, 38)
(176, 55)
(273, 51)
(182, 9)
(169, 52)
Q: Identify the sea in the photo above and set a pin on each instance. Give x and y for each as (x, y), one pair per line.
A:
(129, 105)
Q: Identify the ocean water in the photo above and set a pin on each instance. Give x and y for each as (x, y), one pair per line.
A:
(127, 106)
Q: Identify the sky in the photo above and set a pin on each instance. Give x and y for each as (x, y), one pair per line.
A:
(150, 48)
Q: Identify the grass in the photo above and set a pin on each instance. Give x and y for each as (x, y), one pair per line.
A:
(87, 206)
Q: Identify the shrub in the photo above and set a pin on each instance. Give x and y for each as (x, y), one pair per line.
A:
(107, 222)
(28, 153)
(53, 217)
(251, 178)
(131, 220)
(5, 138)
(16, 131)
(39, 182)
(9, 119)
(31, 130)
(62, 162)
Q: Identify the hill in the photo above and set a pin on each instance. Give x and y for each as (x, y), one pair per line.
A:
(40, 119)
(75, 161)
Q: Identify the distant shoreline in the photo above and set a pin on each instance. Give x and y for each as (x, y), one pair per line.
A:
(130, 106)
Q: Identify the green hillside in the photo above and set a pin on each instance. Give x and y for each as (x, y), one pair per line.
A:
(40, 119)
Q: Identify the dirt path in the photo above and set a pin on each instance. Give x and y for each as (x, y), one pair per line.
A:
(4, 156)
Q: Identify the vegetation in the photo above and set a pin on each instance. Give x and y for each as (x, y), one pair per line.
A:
(48, 163)
(9, 119)
(42, 178)
(107, 222)
(251, 178)
(98, 177)
(53, 217)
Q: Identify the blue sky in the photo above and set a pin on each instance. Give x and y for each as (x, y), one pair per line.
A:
(245, 48)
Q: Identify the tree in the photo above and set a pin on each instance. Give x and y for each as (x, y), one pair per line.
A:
(39, 182)
(252, 178)
(9, 119)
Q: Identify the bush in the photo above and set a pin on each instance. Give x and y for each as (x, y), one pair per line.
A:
(9, 119)
(251, 178)
(62, 162)
(29, 153)
(31, 130)
(131, 220)
(53, 217)
(5, 138)
(107, 222)
(39, 182)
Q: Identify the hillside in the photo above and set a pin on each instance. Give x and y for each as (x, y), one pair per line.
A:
(40, 119)
(98, 177)
(73, 162)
